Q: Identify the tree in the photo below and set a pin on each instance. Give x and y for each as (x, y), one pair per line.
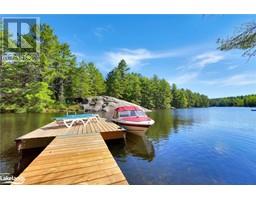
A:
(132, 91)
(55, 80)
(190, 98)
(244, 39)
(147, 98)
(123, 68)
(80, 82)
(162, 94)
(1, 42)
(175, 96)
(247, 100)
(182, 101)
(96, 81)
(115, 80)
(184, 98)
(50, 70)
(37, 96)
(11, 89)
(60, 70)
(56, 62)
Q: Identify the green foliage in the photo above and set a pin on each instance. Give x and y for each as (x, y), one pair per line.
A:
(161, 92)
(11, 89)
(57, 62)
(186, 98)
(1, 39)
(147, 97)
(244, 39)
(115, 78)
(37, 96)
(80, 82)
(182, 99)
(132, 91)
(248, 101)
(55, 81)
(34, 84)
(96, 80)
(150, 93)
(175, 96)
(86, 80)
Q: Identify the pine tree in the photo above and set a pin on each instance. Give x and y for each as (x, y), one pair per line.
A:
(147, 98)
(175, 97)
(132, 90)
(115, 80)
(80, 82)
(96, 80)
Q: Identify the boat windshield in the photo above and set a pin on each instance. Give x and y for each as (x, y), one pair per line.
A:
(132, 113)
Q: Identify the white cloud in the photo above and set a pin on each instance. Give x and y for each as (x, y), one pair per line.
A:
(99, 32)
(202, 60)
(231, 67)
(241, 79)
(194, 67)
(235, 80)
(134, 57)
(185, 78)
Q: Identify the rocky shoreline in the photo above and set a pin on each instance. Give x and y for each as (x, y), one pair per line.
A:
(105, 104)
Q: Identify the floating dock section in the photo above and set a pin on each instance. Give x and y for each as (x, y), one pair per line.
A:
(76, 155)
(43, 136)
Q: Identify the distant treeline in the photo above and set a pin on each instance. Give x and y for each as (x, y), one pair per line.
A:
(247, 100)
(55, 80)
(153, 93)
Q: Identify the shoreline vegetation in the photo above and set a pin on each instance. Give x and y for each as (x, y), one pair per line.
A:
(56, 82)
(238, 101)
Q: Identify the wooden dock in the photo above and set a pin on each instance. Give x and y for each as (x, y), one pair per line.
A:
(43, 136)
(76, 155)
(74, 159)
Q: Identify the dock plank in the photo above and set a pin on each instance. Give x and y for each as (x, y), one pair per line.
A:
(53, 129)
(74, 159)
(41, 137)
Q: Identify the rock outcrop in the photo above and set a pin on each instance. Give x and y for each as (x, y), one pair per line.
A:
(105, 105)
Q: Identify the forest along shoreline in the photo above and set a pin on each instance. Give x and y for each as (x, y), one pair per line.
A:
(56, 82)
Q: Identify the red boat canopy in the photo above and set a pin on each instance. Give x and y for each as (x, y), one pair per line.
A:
(127, 108)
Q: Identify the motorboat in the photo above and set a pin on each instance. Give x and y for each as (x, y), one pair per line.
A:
(133, 119)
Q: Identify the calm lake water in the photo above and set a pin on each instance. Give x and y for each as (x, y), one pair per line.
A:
(192, 146)
(184, 146)
(11, 127)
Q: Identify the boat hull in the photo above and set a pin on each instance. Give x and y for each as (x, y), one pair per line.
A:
(137, 129)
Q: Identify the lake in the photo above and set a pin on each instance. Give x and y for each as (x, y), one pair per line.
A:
(184, 146)
(11, 127)
(192, 146)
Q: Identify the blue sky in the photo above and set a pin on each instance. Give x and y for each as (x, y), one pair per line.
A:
(179, 48)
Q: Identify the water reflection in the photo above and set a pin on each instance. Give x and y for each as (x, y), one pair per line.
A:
(11, 127)
(168, 122)
(135, 145)
(184, 146)
(15, 125)
(140, 146)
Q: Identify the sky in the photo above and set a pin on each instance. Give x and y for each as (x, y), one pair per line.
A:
(179, 48)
